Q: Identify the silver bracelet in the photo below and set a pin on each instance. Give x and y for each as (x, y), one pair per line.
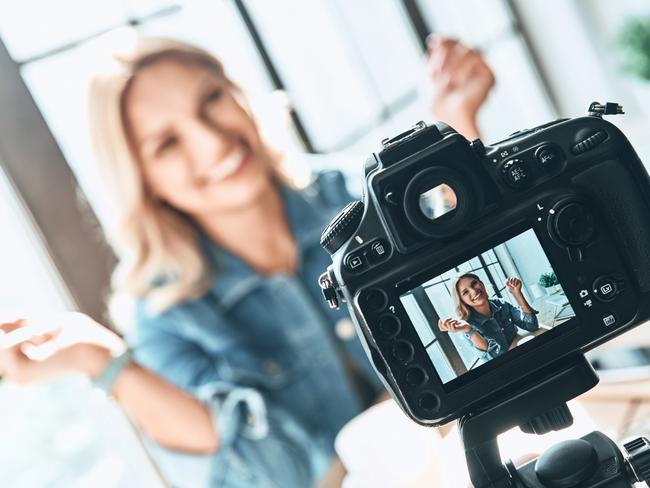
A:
(106, 379)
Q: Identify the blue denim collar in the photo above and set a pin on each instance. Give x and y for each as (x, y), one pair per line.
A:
(235, 278)
(478, 319)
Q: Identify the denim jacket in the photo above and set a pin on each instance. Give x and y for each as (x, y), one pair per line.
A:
(501, 329)
(267, 355)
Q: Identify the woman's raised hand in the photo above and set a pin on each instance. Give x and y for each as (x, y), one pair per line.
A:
(460, 81)
(46, 347)
(513, 285)
(454, 325)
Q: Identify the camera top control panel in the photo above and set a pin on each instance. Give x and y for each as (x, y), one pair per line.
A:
(473, 268)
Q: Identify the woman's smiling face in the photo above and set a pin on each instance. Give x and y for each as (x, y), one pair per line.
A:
(472, 291)
(199, 148)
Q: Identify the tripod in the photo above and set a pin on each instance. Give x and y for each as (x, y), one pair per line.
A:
(594, 461)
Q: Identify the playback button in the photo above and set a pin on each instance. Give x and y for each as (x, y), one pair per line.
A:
(354, 262)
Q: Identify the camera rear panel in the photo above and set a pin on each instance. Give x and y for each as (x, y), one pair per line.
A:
(573, 191)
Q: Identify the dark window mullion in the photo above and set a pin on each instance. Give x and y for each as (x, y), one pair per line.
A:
(431, 317)
(46, 185)
(427, 346)
(418, 23)
(495, 287)
(272, 71)
(532, 52)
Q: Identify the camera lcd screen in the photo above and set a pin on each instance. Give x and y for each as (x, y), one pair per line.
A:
(482, 308)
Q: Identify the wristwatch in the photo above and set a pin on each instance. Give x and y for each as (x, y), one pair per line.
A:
(107, 378)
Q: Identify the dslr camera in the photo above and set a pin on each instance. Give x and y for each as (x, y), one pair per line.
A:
(479, 275)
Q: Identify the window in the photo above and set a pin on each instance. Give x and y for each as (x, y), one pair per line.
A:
(65, 429)
(351, 78)
(346, 72)
(519, 99)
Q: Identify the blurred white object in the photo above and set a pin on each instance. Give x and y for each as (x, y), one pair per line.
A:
(537, 290)
(382, 448)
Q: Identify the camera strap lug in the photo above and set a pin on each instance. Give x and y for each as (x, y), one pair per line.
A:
(596, 109)
(329, 291)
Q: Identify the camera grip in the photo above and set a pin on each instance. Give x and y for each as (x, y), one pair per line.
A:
(627, 211)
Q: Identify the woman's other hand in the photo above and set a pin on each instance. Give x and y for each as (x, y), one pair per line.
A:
(454, 325)
(514, 285)
(42, 349)
(48, 347)
(460, 82)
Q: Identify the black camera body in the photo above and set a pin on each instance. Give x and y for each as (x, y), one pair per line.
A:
(574, 188)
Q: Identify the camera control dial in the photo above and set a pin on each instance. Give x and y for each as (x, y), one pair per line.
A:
(638, 458)
(342, 227)
(572, 224)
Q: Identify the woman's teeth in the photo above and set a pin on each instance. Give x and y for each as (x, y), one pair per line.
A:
(226, 167)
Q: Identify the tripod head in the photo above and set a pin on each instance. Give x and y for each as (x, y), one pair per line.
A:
(593, 461)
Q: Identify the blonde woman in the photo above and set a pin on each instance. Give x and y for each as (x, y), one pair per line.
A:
(235, 354)
(489, 324)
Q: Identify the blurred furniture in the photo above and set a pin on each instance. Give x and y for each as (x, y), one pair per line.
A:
(553, 308)
(622, 408)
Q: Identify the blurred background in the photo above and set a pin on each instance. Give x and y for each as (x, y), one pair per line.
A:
(323, 75)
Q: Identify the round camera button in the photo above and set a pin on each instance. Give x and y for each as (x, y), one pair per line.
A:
(547, 156)
(429, 402)
(403, 351)
(389, 326)
(416, 376)
(605, 288)
(516, 174)
(374, 299)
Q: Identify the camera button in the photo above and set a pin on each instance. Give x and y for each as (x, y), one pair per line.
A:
(378, 250)
(403, 351)
(547, 156)
(609, 319)
(374, 299)
(416, 376)
(389, 326)
(354, 262)
(429, 402)
(605, 288)
(516, 173)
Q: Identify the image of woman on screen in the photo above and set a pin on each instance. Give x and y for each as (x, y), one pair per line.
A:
(490, 324)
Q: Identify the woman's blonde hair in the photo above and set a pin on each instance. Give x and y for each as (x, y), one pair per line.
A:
(461, 309)
(158, 250)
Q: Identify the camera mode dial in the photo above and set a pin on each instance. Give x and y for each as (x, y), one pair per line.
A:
(342, 227)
